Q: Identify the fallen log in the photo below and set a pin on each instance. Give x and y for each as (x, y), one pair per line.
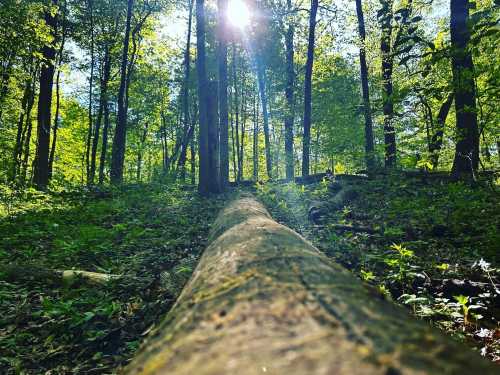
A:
(264, 300)
(26, 273)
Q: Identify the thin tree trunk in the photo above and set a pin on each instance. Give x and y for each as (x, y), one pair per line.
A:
(91, 88)
(369, 148)
(185, 99)
(236, 113)
(223, 105)
(213, 139)
(20, 129)
(466, 161)
(104, 143)
(261, 79)
(103, 102)
(56, 125)
(289, 91)
(306, 141)
(141, 150)
(26, 138)
(387, 89)
(119, 140)
(437, 136)
(255, 138)
(41, 171)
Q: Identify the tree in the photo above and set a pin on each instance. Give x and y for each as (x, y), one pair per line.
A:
(119, 140)
(222, 90)
(385, 18)
(289, 94)
(466, 161)
(306, 140)
(369, 149)
(41, 172)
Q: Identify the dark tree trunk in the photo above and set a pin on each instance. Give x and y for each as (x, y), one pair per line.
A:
(41, 172)
(26, 137)
(141, 151)
(119, 139)
(56, 125)
(103, 102)
(387, 89)
(306, 141)
(437, 136)
(185, 99)
(466, 161)
(204, 162)
(243, 121)
(104, 143)
(223, 110)
(261, 79)
(289, 89)
(192, 149)
(20, 129)
(369, 149)
(91, 88)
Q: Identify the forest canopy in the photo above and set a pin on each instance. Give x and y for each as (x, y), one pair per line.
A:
(102, 91)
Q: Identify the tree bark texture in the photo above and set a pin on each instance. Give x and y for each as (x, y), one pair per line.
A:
(263, 299)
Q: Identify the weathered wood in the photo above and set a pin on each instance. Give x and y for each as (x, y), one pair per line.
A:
(17, 272)
(264, 300)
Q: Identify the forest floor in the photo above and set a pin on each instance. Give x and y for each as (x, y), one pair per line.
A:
(429, 245)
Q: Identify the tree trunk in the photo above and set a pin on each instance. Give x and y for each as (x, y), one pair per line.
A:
(369, 149)
(255, 139)
(261, 79)
(91, 89)
(306, 140)
(264, 300)
(387, 89)
(104, 143)
(223, 110)
(204, 162)
(41, 172)
(213, 140)
(140, 151)
(119, 140)
(181, 166)
(56, 125)
(466, 161)
(437, 136)
(20, 129)
(26, 138)
(289, 88)
(236, 147)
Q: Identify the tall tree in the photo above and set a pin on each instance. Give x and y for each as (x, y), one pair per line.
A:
(369, 149)
(385, 18)
(119, 140)
(204, 172)
(90, 8)
(261, 79)
(289, 90)
(466, 160)
(223, 107)
(41, 172)
(306, 141)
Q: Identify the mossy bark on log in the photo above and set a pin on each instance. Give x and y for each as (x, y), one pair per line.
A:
(264, 300)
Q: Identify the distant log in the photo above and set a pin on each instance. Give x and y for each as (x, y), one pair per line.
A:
(264, 300)
(17, 272)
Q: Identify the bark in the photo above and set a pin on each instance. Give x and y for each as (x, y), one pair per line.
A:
(236, 135)
(20, 128)
(104, 144)
(243, 122)
(204, 163)
(387, 87)
(255, 145)
(41, 172)
(263, 98)
(223, 106)
(466, 161)
(26, 138)
(91, 88)
(185, 98)
(119, 139)
(367, 112)
(289, 87)
(263, 299)
(103, 102)
(306, 140)
(56, 125)
(437, 136)
(213, 140)
(141, 151)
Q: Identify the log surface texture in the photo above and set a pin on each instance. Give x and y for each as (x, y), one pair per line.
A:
(263, 300)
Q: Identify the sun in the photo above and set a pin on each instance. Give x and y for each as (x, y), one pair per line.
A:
(238, 13)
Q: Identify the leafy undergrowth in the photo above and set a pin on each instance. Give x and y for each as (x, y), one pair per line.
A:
(150, 235)
(427, 244)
